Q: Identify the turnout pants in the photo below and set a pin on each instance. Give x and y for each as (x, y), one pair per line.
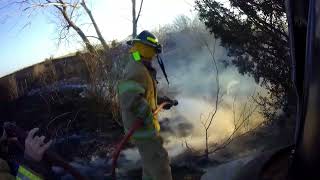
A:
(155, 159)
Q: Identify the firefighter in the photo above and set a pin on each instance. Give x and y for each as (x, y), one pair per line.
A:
(137, 94)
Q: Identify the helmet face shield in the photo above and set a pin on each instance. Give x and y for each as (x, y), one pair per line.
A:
(141, 50)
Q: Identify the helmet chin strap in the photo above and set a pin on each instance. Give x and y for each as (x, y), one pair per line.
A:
(162, 67)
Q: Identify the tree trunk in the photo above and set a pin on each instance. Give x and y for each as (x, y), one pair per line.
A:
(134, 19)
(134, 32)
(103, 42)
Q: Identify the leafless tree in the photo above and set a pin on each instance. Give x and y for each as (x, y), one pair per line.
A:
(241, 121)
(209, 120)
(68, 12)
(207, 123)
(135, 17)
(181, 23)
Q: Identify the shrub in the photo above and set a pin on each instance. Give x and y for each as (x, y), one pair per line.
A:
(44, 73)
(105, 70)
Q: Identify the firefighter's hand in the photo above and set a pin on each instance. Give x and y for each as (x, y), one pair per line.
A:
(170, 104)
(35, 145)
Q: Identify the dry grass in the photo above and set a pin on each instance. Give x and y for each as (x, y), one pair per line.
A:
(38, 71)
(13, 87)
(105, 70)
(45, 73)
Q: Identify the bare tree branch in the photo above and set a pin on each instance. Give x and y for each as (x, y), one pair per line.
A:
(12, 3)
(231, 138)
(103, 42)
(63, 7)
(73, 9)
(44, 5)
(63, 11)
(138, 16)
(93, 37)
(234, 111)
(218, 96)
(189, 148)
(239, 123)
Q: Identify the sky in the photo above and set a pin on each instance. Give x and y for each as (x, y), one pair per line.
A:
(28, 40)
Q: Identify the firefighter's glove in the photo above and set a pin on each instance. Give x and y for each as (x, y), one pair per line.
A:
(170, 104)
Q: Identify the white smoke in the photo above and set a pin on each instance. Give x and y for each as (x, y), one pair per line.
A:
(191, 74)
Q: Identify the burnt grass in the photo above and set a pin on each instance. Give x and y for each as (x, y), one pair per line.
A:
(81, 126)
(57, 112)
(178, 173)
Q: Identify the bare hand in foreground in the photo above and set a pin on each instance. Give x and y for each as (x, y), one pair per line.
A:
(35, 146)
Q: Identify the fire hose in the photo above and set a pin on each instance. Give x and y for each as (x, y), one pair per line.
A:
(49, 156)
(136, 125)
